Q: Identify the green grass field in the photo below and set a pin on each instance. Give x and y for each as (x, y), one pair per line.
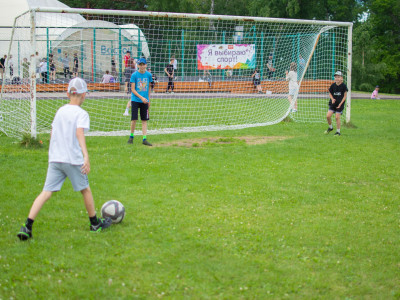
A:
(107, 114)
(307, 217)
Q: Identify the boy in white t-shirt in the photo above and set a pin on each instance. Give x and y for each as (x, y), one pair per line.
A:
(68, 157)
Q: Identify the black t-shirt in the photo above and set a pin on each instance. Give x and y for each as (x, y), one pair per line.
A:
(170, 69)
(337, 91)
(2, 62)
(76, 62)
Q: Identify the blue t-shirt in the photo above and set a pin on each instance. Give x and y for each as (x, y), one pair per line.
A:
(142, 85)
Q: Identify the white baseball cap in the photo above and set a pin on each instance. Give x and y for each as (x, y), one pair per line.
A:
(338, 73)
(78, 84)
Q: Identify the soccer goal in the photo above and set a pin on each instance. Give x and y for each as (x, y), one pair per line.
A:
(229, 71)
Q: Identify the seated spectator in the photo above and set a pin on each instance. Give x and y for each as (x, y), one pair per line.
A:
(107, 78)
(375, 93)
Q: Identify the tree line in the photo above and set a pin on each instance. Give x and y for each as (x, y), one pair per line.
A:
(376, 30)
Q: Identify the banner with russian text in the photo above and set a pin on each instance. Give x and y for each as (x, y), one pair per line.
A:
(237, 56)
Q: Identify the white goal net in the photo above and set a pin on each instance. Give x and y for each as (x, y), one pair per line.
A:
(229, 72)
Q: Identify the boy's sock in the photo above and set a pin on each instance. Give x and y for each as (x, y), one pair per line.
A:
(144, 137)
(94, 220)
(132, 135)
(29, 223)
(338, 130)
(331, 126)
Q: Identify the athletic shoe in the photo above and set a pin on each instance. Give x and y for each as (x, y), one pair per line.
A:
(328, 130)
(24, 233)
(172, 93)
(294, 110)
(103, 224)
(145, 142)
(337, 133)
(130, 141)
(126, 113)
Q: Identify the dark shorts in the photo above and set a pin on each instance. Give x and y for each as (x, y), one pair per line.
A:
(144, 111)
(256, 82)
(335, 109)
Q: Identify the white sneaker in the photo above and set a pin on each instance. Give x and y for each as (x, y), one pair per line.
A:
(172, 93)
(294, 110)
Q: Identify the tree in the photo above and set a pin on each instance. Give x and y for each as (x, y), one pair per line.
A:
(366, 74)
(107, 4)
(385, 28)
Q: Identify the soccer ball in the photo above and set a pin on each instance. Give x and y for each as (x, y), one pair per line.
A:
(113, 209)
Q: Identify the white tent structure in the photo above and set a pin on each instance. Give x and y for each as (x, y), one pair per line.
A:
(95, 42)
(22, 47)
(138, 38)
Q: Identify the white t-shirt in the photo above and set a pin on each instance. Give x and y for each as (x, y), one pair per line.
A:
(64, 145)
(175, 64)
(106, 78)
(292, 77)
(43, 67)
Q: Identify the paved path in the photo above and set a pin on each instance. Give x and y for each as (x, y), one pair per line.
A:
(368, 96)
(118, 95)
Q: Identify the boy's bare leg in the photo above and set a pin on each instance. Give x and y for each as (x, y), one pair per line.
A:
(38, 203)
(89, 203)
(329, 117)
(337, 121)
(144, 127)
(133, 126)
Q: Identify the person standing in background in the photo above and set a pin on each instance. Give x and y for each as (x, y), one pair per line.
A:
(175, 67)
(25, 71)
(291, 76)
(76, 65)
(65, 62)
(3, 66)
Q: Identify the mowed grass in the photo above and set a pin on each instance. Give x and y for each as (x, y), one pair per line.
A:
(308, 217)
(165, 113)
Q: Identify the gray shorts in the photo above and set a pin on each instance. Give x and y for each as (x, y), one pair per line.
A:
(58, 172)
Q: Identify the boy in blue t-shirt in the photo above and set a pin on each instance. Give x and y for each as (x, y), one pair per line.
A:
(140, 99)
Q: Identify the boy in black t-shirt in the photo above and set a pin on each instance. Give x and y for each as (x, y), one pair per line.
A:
(338, 94)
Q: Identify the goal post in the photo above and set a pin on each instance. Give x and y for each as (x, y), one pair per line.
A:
(230, 71)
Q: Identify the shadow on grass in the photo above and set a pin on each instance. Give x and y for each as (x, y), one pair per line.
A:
(349, 125)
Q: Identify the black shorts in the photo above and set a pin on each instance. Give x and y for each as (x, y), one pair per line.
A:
(256, 82)
(144, 111)
(335, 109)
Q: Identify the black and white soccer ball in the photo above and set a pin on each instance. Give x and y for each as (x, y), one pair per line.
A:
(113, 209)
